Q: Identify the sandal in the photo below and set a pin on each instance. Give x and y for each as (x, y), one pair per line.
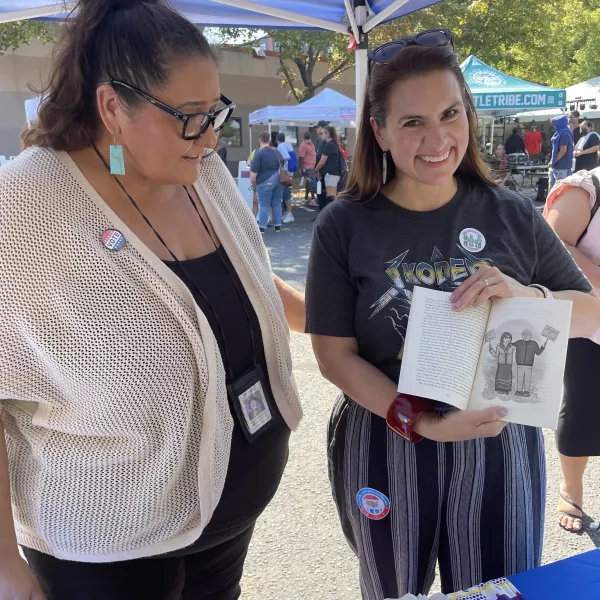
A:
(573, 516)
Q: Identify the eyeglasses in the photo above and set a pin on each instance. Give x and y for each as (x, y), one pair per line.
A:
(194, 125)
(430, 38)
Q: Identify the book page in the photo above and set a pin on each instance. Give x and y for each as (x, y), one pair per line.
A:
(442, 348)
(523, 360)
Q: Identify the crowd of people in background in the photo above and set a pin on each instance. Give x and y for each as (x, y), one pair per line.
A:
(574, 146)
(321, 169)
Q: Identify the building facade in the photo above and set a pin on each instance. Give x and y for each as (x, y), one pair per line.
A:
(251, 81)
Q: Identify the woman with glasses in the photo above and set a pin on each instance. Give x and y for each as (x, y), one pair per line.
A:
(140, 318)
(417, 482)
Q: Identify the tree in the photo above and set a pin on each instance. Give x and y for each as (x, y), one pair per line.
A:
(548, 41)
(299, 53)
(17, 33)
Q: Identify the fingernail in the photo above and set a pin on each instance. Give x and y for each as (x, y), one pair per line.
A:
(452, 298)
(457, 304)
(502, 412)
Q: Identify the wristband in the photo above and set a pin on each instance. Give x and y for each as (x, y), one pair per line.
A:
(547, 293)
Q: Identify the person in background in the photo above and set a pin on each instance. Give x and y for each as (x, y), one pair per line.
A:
(533, 144)
(253, 187)
(138, 308)
(329, 168)
(265, 178)
(307, 154)
(514, 143)
(500, 164)
(287, 152)
(457, 497)
(586, 149)
(571, 211)
(574, 117)
(322, 197)
(561, 163)
(344, 147)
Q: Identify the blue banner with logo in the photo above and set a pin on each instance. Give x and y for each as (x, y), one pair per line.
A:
(496, 93)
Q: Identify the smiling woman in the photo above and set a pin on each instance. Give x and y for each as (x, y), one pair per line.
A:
(140, 316)
(422, 208)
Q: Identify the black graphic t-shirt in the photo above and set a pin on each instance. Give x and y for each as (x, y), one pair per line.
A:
(367, 257)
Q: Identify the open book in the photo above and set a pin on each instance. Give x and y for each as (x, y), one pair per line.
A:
(510, 352)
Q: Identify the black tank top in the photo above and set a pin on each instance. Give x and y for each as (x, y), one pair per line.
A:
(255, 469)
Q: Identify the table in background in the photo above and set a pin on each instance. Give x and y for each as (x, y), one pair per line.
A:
(575, 578)
(529, 171)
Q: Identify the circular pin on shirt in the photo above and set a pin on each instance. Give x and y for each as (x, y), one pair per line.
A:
(373, 504)
(113, 239)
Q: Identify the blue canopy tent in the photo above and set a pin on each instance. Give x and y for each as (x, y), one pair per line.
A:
(344, 16)
(497, 94)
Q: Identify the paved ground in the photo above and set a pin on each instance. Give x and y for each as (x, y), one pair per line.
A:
(298, 551)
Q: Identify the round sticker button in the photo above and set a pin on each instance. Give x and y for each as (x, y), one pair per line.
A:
(113, 239)
(373, 504)
(472, 240)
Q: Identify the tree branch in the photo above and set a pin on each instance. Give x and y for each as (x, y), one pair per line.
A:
(289, 77)
(343, 66)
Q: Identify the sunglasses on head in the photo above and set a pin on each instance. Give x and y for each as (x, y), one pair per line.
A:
(430, 38)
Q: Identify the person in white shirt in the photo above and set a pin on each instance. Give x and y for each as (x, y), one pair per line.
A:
(139, 318)
(286, 149)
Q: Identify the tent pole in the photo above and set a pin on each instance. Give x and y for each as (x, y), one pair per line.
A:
(492, 137)
(36, 13)
(361, 67)
(285, 14)
(269, 126)
(483, 141)
(250, 138)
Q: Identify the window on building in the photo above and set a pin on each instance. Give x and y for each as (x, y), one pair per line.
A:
(291, 134)
(231, 135)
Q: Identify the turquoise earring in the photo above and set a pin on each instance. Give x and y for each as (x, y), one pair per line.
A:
(117, 160)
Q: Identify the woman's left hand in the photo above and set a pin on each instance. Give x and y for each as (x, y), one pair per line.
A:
(487, 283)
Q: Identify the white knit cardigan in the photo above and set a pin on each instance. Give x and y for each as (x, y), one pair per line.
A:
(112, 387)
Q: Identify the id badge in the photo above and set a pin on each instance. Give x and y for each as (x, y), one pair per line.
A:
(251, 403)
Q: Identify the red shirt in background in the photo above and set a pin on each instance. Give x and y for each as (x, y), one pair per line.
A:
(533, 142)
(309, 154)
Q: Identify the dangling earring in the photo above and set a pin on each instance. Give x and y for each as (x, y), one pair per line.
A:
(117, 160)
(384, 168)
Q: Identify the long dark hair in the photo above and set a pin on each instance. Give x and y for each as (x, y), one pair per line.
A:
(135, 41)
(365, 178)
(333, 134)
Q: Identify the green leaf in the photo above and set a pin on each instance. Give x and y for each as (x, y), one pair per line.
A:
(17, 33)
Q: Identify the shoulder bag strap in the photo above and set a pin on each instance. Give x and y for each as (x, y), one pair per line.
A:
(595, 208)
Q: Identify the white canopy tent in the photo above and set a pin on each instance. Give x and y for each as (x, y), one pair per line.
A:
(357, 17)
(585, 97)
(328, 105)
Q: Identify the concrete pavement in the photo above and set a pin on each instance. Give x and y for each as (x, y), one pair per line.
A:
(298, 551)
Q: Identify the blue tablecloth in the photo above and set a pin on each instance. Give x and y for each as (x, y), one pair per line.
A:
(575, 578)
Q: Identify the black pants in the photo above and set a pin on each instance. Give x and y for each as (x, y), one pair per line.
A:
(322, 197)
(211, 574)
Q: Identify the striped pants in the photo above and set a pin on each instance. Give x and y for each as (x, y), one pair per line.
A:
(475, 507)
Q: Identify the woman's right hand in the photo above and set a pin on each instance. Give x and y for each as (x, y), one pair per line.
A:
(461, 425)
(17, 581)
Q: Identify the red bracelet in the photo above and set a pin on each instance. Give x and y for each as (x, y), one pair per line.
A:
(403, 414)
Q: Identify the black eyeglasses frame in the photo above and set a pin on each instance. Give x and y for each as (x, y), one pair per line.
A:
(184, 118)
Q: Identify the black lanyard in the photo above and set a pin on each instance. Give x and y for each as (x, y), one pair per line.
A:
(191, 279)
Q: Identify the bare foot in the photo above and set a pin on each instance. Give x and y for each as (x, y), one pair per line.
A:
(569, 503)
